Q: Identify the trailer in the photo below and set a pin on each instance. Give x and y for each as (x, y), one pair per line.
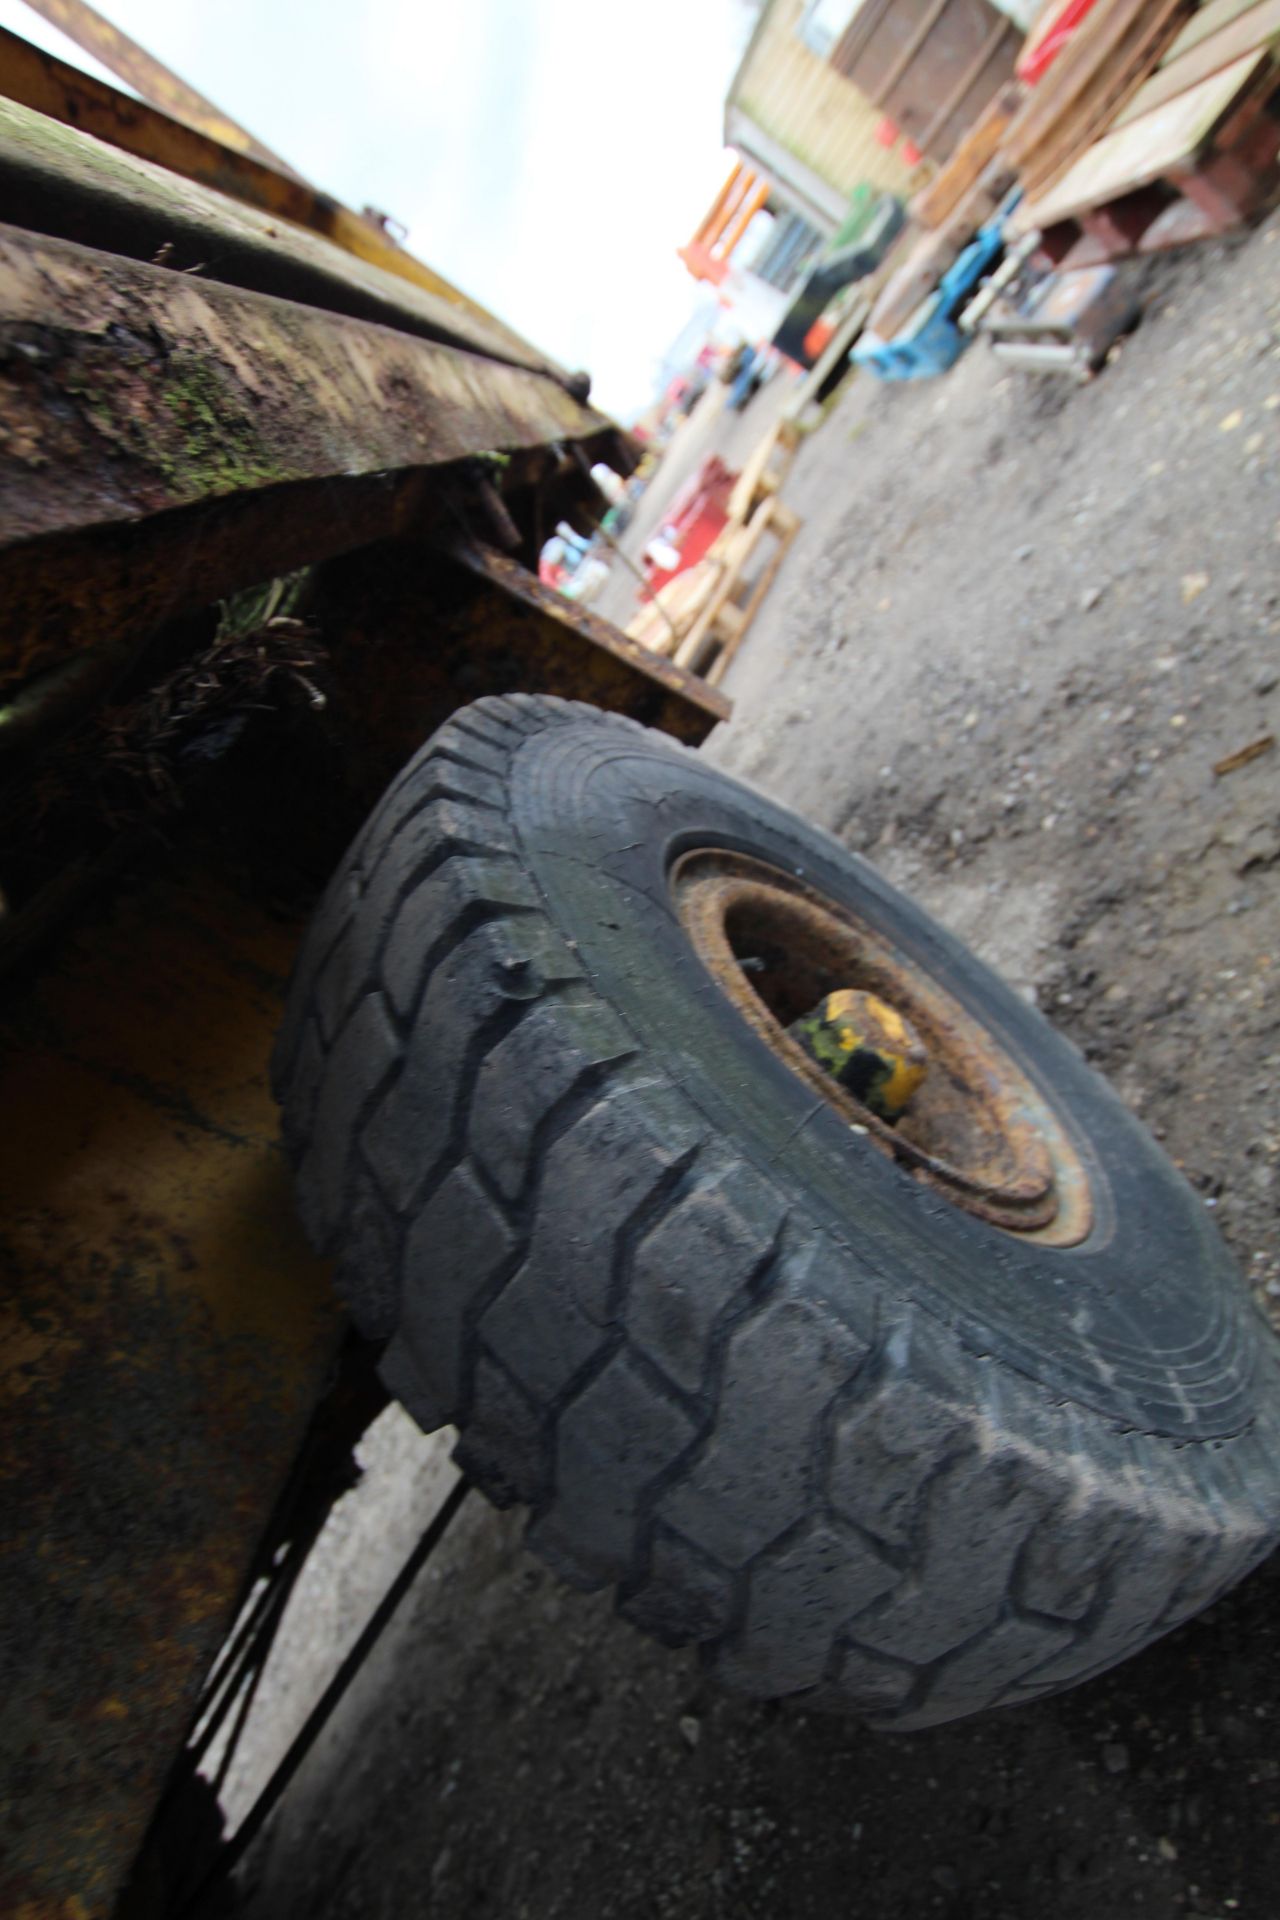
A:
(272, 495)
(811, 1293)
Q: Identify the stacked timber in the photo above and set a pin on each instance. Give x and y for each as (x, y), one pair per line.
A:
(1108, 58)
(1029, 135)
(1155, 125)
(950, 187)
(1190, 146)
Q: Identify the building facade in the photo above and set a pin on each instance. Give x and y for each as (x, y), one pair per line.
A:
(836, 96)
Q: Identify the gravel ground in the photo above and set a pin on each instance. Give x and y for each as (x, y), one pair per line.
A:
(1021, 624)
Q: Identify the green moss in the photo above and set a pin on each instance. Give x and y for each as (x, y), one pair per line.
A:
(218, 450)
(195, 430)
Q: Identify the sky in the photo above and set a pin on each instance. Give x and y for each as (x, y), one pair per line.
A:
(548, 156)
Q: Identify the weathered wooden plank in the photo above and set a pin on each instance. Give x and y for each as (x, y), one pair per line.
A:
(971, 88)
(1102, 85)
(1100, 48)
(130, 390)
(149, 416)
(57, 180)
(1258, 29)
(975, 152)
(1206, 20)
(1149, 148)
(50, 86)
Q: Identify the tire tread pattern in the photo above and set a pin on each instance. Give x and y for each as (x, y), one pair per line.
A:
(871, 1518)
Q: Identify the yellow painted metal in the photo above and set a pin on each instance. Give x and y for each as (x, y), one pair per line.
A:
(147, 76)
(165, 1333)
(866, 1044)
(165, 1336)
(41, 81)
(860, 1020)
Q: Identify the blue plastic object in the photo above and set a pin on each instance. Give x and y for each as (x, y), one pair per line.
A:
(931, 341)
(926, 346)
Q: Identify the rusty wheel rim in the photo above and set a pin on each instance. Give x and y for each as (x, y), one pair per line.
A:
(979, 1131)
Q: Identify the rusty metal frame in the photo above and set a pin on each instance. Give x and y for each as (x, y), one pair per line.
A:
(59, 181)
(40, 81)
(200, 393)
(979, 1132)
(148, 76)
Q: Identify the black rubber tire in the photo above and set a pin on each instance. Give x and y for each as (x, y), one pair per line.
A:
(854, 1443)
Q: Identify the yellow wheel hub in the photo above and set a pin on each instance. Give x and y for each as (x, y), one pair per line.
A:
(867, 1046)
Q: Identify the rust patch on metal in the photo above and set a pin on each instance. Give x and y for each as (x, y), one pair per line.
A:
(414, 632)
(166, 1333)
(108, 590)
(976, 1130)
(140, 70)
(525, 588)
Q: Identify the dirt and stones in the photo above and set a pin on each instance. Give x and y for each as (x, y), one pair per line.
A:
(1021, 625)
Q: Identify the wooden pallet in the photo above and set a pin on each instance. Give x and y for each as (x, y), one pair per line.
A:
(1106, 60)
(663, 622)
(765, 471)
(736, 598)
(1193, 153)
(701, 616)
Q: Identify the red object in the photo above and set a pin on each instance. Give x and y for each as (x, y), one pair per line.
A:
(702, 263)
(886, 132)
(911, 154)
(698, 513)
(1048, 37)
(817, 338)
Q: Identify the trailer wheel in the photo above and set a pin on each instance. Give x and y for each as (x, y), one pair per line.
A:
(908, 1416)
